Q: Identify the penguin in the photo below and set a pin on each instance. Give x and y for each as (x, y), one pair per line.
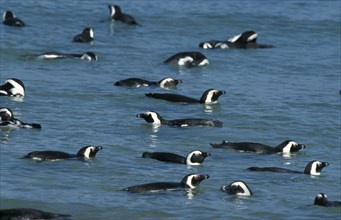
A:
(210, 96)
(117, 15)
(86, 36)
(155, 119)
(8, 18)
(193, 158)
(90, 56)
(12, 87)
(137, 82)
(313, 168)
(238, 187)
(321, 200)
(7, 120)
(188, 59)
(28, 213)
(85, 153)
(190, 181)
(287, 146)
(245, 40)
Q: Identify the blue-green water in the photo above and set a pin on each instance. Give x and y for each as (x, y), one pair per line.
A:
(288, 92)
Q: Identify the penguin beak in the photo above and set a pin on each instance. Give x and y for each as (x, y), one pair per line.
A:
(98, 148)
(301, 146)
(325, 164)
(139, 115)
(206, 154)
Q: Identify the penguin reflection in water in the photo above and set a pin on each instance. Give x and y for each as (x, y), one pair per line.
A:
(190, 181)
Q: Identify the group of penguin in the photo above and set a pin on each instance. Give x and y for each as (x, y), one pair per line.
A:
(14, 87)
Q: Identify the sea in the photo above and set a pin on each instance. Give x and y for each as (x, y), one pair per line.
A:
(289, 92)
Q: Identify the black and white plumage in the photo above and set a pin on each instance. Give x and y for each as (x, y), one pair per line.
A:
(321, 199)
(28, 214)
(193, 158)
(90, 56)
(155, 119)
(7, 120)
(237, 188)
(287, 146)
(210, 96)
(188, 59)
(313, 168)
(167, 82)
(86, 36)
(85, 153)
(245, 40)
(8, 18)
(190, 181)
(12, 87)
(117, 14)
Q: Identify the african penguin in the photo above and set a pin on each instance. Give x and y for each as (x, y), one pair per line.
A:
(287, 146)
(7, 120)
(8, 18)
(117, 14)
(90, 56)
(210, 96)
(86, 36)
(188, 59)
(190, 181)
(155, 119)
(193, 158)
(322, 200)
(85, 153)
(313, 168)
(137, 82)
(238, 188)
(28, 213)
(12, 87)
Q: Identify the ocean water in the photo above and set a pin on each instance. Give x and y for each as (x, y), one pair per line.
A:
(287, 92)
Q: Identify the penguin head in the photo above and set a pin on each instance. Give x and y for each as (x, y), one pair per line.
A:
(206, 45)
(245, 37)
(169, 82)
(89, 152)
(6, 114)
(88, 32)
(192, 180)
(290, 146)
(321, 199)
(7, 15)
(114, 10)
(211, 96)
(90, 56)
(237, 188)
(151, 117)
(315, 167)
(13, 87)
(196, 157)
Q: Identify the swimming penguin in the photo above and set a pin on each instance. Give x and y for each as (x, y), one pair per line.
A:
(155, 119)
(193, 158)
(86, 36)
(28, 213)
(238, 188)
(90, 56)
(188, 59)
(8, 18)
(137, 82)
(117, 14)
(12, 87)
(245, 40)
(321, 200)
(287, 146)
(87, 152)
(190, 181)
(313, 168)
(7, 120)
(210, 96)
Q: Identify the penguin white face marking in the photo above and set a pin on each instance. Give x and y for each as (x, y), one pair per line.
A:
(244, 187)
(235, 38)
(189, 181)
(91, 33)
(252, 37)
(4, 15)
(155, 118)
(210, 95)
(112, 10)
(204, 62)
(185, 60)
(88, 152)
(166, 80)
(288, 147)
(6, 112)
(18, 90)
(207, 46)
(313, 170)
(188, 158)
